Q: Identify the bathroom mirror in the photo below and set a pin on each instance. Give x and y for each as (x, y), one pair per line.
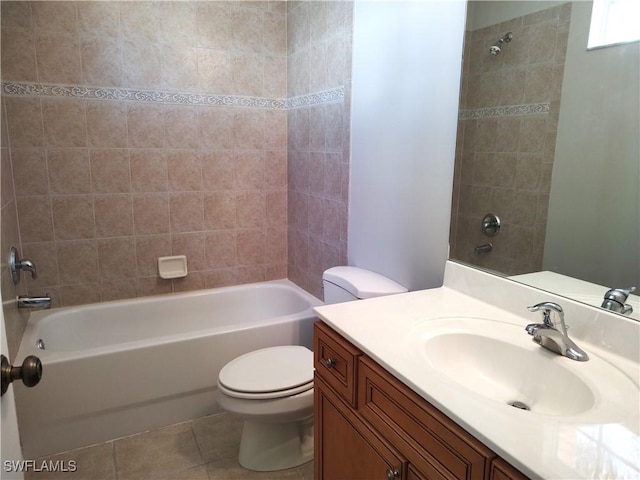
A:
(548, 141)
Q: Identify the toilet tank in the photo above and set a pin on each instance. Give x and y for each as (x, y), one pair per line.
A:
(343, 284)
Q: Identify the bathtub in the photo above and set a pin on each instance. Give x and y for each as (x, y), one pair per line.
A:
(119, 368)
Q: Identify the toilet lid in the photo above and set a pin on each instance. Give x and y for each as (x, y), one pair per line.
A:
(269, 370)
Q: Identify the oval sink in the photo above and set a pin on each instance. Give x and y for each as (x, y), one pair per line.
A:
(528, 379)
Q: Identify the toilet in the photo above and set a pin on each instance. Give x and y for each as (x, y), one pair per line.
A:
(272, 388)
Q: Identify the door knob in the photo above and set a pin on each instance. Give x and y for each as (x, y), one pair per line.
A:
(30, 372)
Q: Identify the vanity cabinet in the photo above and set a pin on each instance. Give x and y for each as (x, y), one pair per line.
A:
(370, 425)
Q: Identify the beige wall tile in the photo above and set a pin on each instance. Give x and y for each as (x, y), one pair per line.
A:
(24, 121)
(99, 18)
(275, 130)
(58, 57)
(184, 169)
(250, 274)
(247, 73)
(78, 262)
(151, 213)
(251, 247)
(149, 171)
(79, 294)
(247, 32)
(219, 210)
(115, 258)
(215, 71)
(178, 23)
(276, 208)
(107, 124)
(65, 122)
(73, 217)
(250, 209)
(216, 128)
(275, 77)
(146, 128)
(275, 169)
(218, 170)
(275, 33)
(182, 127)
(220, 249)
(141, 64)
(35, 219)
(213, 25)
(148, 249)
(30, 175)
(101, 61)
(7, 191)
(69, 170)
(110, 171)
(191, 245)
(18, 54)
(15, 14)
(153, 286)
(186, 211)
(249, 169)
(121, 289)
(113, 215)
(193, 281)
(140, 21)
(221, 277)
(179, 68)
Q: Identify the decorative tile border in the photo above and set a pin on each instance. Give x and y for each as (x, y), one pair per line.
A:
(335, 95)
(179, 98)
(506, 111)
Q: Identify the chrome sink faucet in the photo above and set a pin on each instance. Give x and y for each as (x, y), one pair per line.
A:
(615, 299)
(552, 333)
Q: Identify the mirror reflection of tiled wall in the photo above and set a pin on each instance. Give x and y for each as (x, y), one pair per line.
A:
(506, 138)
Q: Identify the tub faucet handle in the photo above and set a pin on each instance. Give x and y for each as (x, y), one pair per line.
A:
(17, 265)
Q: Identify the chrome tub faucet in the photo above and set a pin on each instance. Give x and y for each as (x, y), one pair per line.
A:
(552, 333)
(35, 303)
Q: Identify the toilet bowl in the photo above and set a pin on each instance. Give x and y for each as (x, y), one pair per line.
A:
(272, 388)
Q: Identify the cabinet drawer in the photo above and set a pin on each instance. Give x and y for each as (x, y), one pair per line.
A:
(501, 470)
(427, 437)
(335, 360)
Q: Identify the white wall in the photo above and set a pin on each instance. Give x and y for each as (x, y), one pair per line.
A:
(406, 81)
(593, 231)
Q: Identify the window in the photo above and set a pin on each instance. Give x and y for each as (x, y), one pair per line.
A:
(613, 22)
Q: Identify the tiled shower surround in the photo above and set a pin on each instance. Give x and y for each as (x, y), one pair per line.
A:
(144, 129)
(506, 139)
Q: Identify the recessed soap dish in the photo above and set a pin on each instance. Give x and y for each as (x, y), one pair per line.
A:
(172, 267)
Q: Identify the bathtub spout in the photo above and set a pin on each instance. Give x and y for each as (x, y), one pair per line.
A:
(35, 303)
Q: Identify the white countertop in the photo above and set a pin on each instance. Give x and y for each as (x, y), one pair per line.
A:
(604, 443)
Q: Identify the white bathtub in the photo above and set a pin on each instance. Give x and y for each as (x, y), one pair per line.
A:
(118, 368)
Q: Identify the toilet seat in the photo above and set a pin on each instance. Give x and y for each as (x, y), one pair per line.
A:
(268, 373)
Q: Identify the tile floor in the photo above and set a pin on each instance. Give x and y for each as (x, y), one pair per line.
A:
(202, 449)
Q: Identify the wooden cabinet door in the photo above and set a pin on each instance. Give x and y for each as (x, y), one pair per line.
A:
(345, 448)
